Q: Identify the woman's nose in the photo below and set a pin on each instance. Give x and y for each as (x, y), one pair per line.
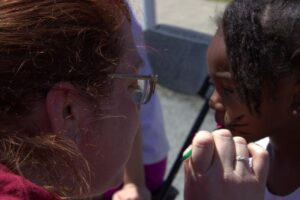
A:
(215, 102)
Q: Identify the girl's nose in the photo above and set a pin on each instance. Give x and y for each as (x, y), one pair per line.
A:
(215, 102)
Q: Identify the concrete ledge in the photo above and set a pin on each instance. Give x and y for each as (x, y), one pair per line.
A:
(178, 56)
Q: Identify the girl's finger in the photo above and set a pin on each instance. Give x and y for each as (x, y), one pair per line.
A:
(202, 152)
(260, 162)
(242, 166)
(225, 150)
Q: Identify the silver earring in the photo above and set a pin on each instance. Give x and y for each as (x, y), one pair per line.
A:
(295, 112)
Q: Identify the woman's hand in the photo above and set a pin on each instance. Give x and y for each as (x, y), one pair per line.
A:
(132, 192)
(219, 168)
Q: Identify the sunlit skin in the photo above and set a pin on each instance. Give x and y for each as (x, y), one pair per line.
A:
(275, 120)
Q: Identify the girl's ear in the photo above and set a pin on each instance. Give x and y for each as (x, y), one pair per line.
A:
(61, 104)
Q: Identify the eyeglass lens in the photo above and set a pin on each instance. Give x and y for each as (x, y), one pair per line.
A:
(142, 94)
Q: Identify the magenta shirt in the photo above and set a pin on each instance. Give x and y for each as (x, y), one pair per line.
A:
(15, 187)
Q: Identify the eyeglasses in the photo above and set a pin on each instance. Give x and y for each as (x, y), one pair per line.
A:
(145, 86)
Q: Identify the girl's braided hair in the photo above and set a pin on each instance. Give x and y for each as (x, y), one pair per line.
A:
(263, 44)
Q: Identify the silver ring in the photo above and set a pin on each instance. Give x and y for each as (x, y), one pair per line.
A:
(244, 159)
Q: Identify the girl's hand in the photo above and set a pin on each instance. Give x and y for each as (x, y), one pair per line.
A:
(132, 192)
(218, 168)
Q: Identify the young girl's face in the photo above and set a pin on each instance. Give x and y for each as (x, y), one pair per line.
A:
(276, 118)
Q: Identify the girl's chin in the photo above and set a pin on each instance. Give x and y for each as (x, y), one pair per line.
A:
(236, 132)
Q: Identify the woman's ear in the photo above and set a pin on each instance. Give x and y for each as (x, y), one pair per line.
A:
(61, 103)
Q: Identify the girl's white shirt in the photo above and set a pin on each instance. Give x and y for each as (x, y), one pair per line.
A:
(268, 195)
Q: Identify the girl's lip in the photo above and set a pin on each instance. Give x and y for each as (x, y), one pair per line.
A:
(219, 126)
(230, 126)
(218, 119)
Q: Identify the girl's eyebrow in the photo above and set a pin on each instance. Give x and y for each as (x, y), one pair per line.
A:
(223, 75)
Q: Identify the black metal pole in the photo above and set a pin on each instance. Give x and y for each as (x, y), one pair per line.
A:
(176, 166)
